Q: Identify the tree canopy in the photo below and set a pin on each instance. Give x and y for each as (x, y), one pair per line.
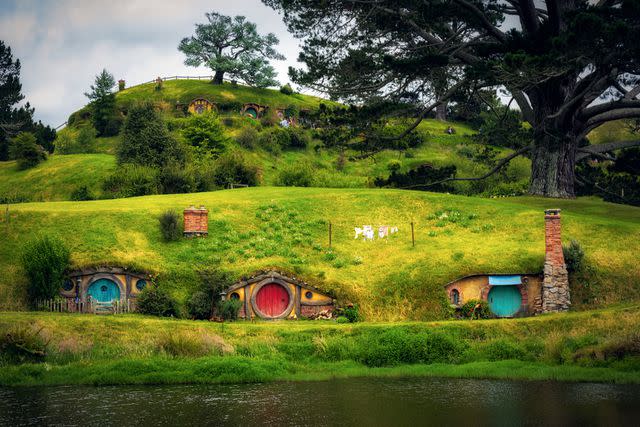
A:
(232, 46)
(570, 66)
(103, 104)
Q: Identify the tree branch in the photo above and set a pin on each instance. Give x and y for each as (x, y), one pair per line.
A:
(591, 150)
(486, 24)
(502, 163)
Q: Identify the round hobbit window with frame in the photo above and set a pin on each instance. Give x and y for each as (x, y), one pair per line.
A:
(67, 285)
(308, 294)
(141, 284)
(235, 295)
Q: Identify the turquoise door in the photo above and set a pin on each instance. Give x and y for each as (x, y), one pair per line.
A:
(504, 301)
(104, 290)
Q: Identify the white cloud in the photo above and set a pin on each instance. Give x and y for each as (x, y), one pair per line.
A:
(62, 45)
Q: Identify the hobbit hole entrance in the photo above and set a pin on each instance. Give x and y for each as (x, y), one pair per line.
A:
(504, 301)
(104, 290)
(272, 299)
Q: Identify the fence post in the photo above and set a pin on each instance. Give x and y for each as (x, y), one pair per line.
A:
(413, 238)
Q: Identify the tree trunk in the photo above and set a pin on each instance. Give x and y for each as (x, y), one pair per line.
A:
(553, 163)
(441, 112)
(218, 78)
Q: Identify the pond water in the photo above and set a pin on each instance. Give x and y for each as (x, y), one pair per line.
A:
(361, 401)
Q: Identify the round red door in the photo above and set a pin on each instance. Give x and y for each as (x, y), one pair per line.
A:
(272, 299)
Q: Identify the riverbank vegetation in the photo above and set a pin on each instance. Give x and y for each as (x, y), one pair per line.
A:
(600, 345)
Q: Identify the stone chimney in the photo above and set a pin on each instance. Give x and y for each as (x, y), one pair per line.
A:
(196, 221)
(120, 84)
(555, 286)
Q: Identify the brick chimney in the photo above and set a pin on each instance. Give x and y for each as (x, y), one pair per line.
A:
(555, 286)
(196, 221)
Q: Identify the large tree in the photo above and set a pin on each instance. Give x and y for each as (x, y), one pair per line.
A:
(232, 45)
(10, 95)
(570, 65)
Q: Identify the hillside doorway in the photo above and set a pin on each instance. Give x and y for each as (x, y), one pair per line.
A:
(104, 290)
(504, 301)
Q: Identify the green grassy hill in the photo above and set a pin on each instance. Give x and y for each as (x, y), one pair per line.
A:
(56, 178)
(264, 227)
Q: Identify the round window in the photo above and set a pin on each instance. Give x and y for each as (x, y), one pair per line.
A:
(141, 284)
(308, 294)
(235, 295)
(67, 285)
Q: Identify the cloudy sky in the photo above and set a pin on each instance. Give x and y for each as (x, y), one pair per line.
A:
(63, 44)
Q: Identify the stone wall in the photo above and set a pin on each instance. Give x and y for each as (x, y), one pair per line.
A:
(555, 285)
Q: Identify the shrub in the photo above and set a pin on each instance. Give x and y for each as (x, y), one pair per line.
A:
(232, 167)
(170, 226)
(205, 131)
(22, 344)
(45, 261)
(174, 179)
(298, 138)
(157, 302)
(351, 313)
(394, 165)
(269, 118)
(274, 139)
(228, 309)
(82, 193)
(295, 175)
(146, 139)
(69, 141)
(26, 151)
(342, 319)
(247, 137)
(286, 89)
(131, 181)
(573, 256)
(475, 309)
(199, 305)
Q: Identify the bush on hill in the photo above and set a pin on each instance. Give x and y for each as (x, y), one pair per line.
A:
(45, 261)
(295, 175)
(146, 139)
(26, 151)
(205, 131)
(71, 141)
(247, 137)
(131, 181)
(157, 302)
(170, 226)
(286, 89)
(177, 179)
(82, 193)
(233, 168)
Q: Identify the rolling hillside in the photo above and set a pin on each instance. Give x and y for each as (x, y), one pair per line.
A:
(264, 227)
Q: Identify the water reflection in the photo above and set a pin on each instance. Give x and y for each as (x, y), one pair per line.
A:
(363, 401)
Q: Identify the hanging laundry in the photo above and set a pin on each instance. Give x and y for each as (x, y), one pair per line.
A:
(359, 232)
(383, 231)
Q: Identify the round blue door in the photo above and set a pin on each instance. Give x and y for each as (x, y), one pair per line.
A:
(504, 301)
(104, 290)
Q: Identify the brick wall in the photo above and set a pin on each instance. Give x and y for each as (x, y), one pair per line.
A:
(196, 221)
(552, 237)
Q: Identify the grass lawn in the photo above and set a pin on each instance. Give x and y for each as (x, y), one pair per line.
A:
(185, 91)
(287, 228)
(132, 349)
(55, 178)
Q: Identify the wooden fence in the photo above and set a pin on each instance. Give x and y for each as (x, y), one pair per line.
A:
(67, 305)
